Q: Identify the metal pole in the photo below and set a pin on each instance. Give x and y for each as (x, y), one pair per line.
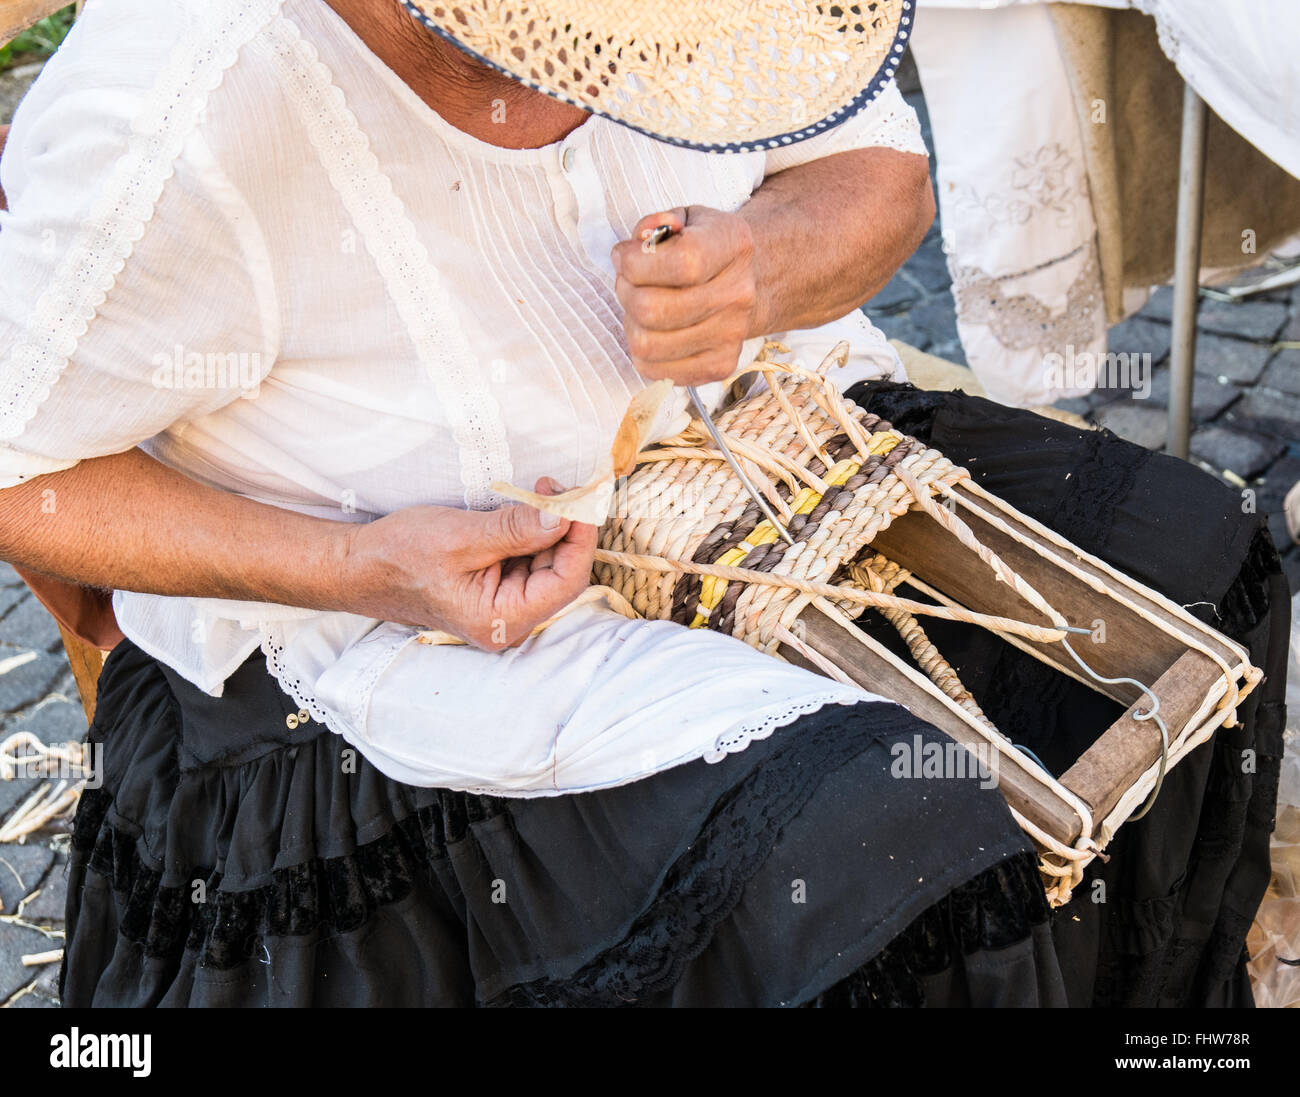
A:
(1187, 268)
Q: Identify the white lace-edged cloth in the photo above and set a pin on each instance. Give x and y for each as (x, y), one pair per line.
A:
(655, 695)
(278, 270)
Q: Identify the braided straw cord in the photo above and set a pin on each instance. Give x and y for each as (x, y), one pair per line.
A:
(883, 576)
(686, 544)
(839, 594)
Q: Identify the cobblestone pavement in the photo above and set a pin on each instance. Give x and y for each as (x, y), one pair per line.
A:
(1247, 398)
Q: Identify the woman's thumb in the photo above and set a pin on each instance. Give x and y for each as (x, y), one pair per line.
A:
(520, 530)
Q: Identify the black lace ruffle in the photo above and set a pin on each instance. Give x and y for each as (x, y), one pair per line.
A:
(323, 895)
(1103, 479)
(340, 894)
(997, 908)
(705, 884)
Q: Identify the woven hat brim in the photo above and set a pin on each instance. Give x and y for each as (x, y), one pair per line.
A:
(695, 88)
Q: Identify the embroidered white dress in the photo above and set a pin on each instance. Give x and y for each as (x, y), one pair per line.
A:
(237, 240)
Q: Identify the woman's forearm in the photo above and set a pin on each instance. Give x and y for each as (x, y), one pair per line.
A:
(829, 234)
(127, 522)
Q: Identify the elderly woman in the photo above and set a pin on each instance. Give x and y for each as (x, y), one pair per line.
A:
(287, 286)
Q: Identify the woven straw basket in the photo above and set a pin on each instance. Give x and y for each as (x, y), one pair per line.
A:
(872, 510)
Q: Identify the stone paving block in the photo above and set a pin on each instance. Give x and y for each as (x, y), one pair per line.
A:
(1291, 333)
(899, 293)
(13, 86)
(50, 905)
(903, 329)
(24, 685)
(14, 792)
(929, 267)
(1210, 396)
(9, 577)
(59, 718)
(1283, 372)
(29, 625)
(16, 942)
(938, 318)
(1138, 335)
(1253, 319)
(1146, 426)
(47, 983)
(1269, 412)
(1281, 538)
(1235, 359)
(1161, 304)
(11, 596)
(1291, 568)
(1226, 449)
(37, 999)
(22, 867)
(1281, 476)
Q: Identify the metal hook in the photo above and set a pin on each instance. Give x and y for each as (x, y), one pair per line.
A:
(1152, 714)
(657, 236)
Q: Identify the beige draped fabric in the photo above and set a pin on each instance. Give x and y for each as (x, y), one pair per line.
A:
(1128, 99)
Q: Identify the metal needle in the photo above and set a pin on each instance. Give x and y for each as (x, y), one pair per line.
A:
(658, 236)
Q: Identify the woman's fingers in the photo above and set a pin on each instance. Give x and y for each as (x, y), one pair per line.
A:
(518, 530)
(532, 588)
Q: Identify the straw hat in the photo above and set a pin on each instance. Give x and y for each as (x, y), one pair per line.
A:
(718, 75)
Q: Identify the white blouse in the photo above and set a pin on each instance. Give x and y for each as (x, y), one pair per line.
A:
(238, 241)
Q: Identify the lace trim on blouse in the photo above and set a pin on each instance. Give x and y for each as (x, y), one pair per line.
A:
(118, 218)
(898, 128)
(403, 261)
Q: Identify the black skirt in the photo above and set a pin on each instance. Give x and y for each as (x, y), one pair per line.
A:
(229, 859)
(221, 865)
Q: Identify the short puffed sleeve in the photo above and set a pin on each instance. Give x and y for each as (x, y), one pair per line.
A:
(135, 292)
(887, 122)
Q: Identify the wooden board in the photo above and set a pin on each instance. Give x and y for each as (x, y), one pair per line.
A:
(18, 15)
(86, 661)
(1132, 646)
(878, 670)
(1129, 747)
(1101, 776)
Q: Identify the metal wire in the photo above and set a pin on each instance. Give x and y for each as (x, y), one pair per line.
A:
(1152, 714)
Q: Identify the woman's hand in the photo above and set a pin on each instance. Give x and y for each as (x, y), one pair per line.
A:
(812, 244)
(488, 577)
(690, 301)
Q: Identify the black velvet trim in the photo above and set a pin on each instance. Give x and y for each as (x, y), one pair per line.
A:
(996, 909)
(1247, 601)
(901, 404)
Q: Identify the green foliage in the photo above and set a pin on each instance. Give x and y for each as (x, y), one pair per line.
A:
(38, 41)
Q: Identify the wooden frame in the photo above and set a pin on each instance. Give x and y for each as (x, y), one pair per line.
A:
(1198, 675)
(17, 15)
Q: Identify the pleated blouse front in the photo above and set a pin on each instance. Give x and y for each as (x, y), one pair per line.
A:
(237, 240)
